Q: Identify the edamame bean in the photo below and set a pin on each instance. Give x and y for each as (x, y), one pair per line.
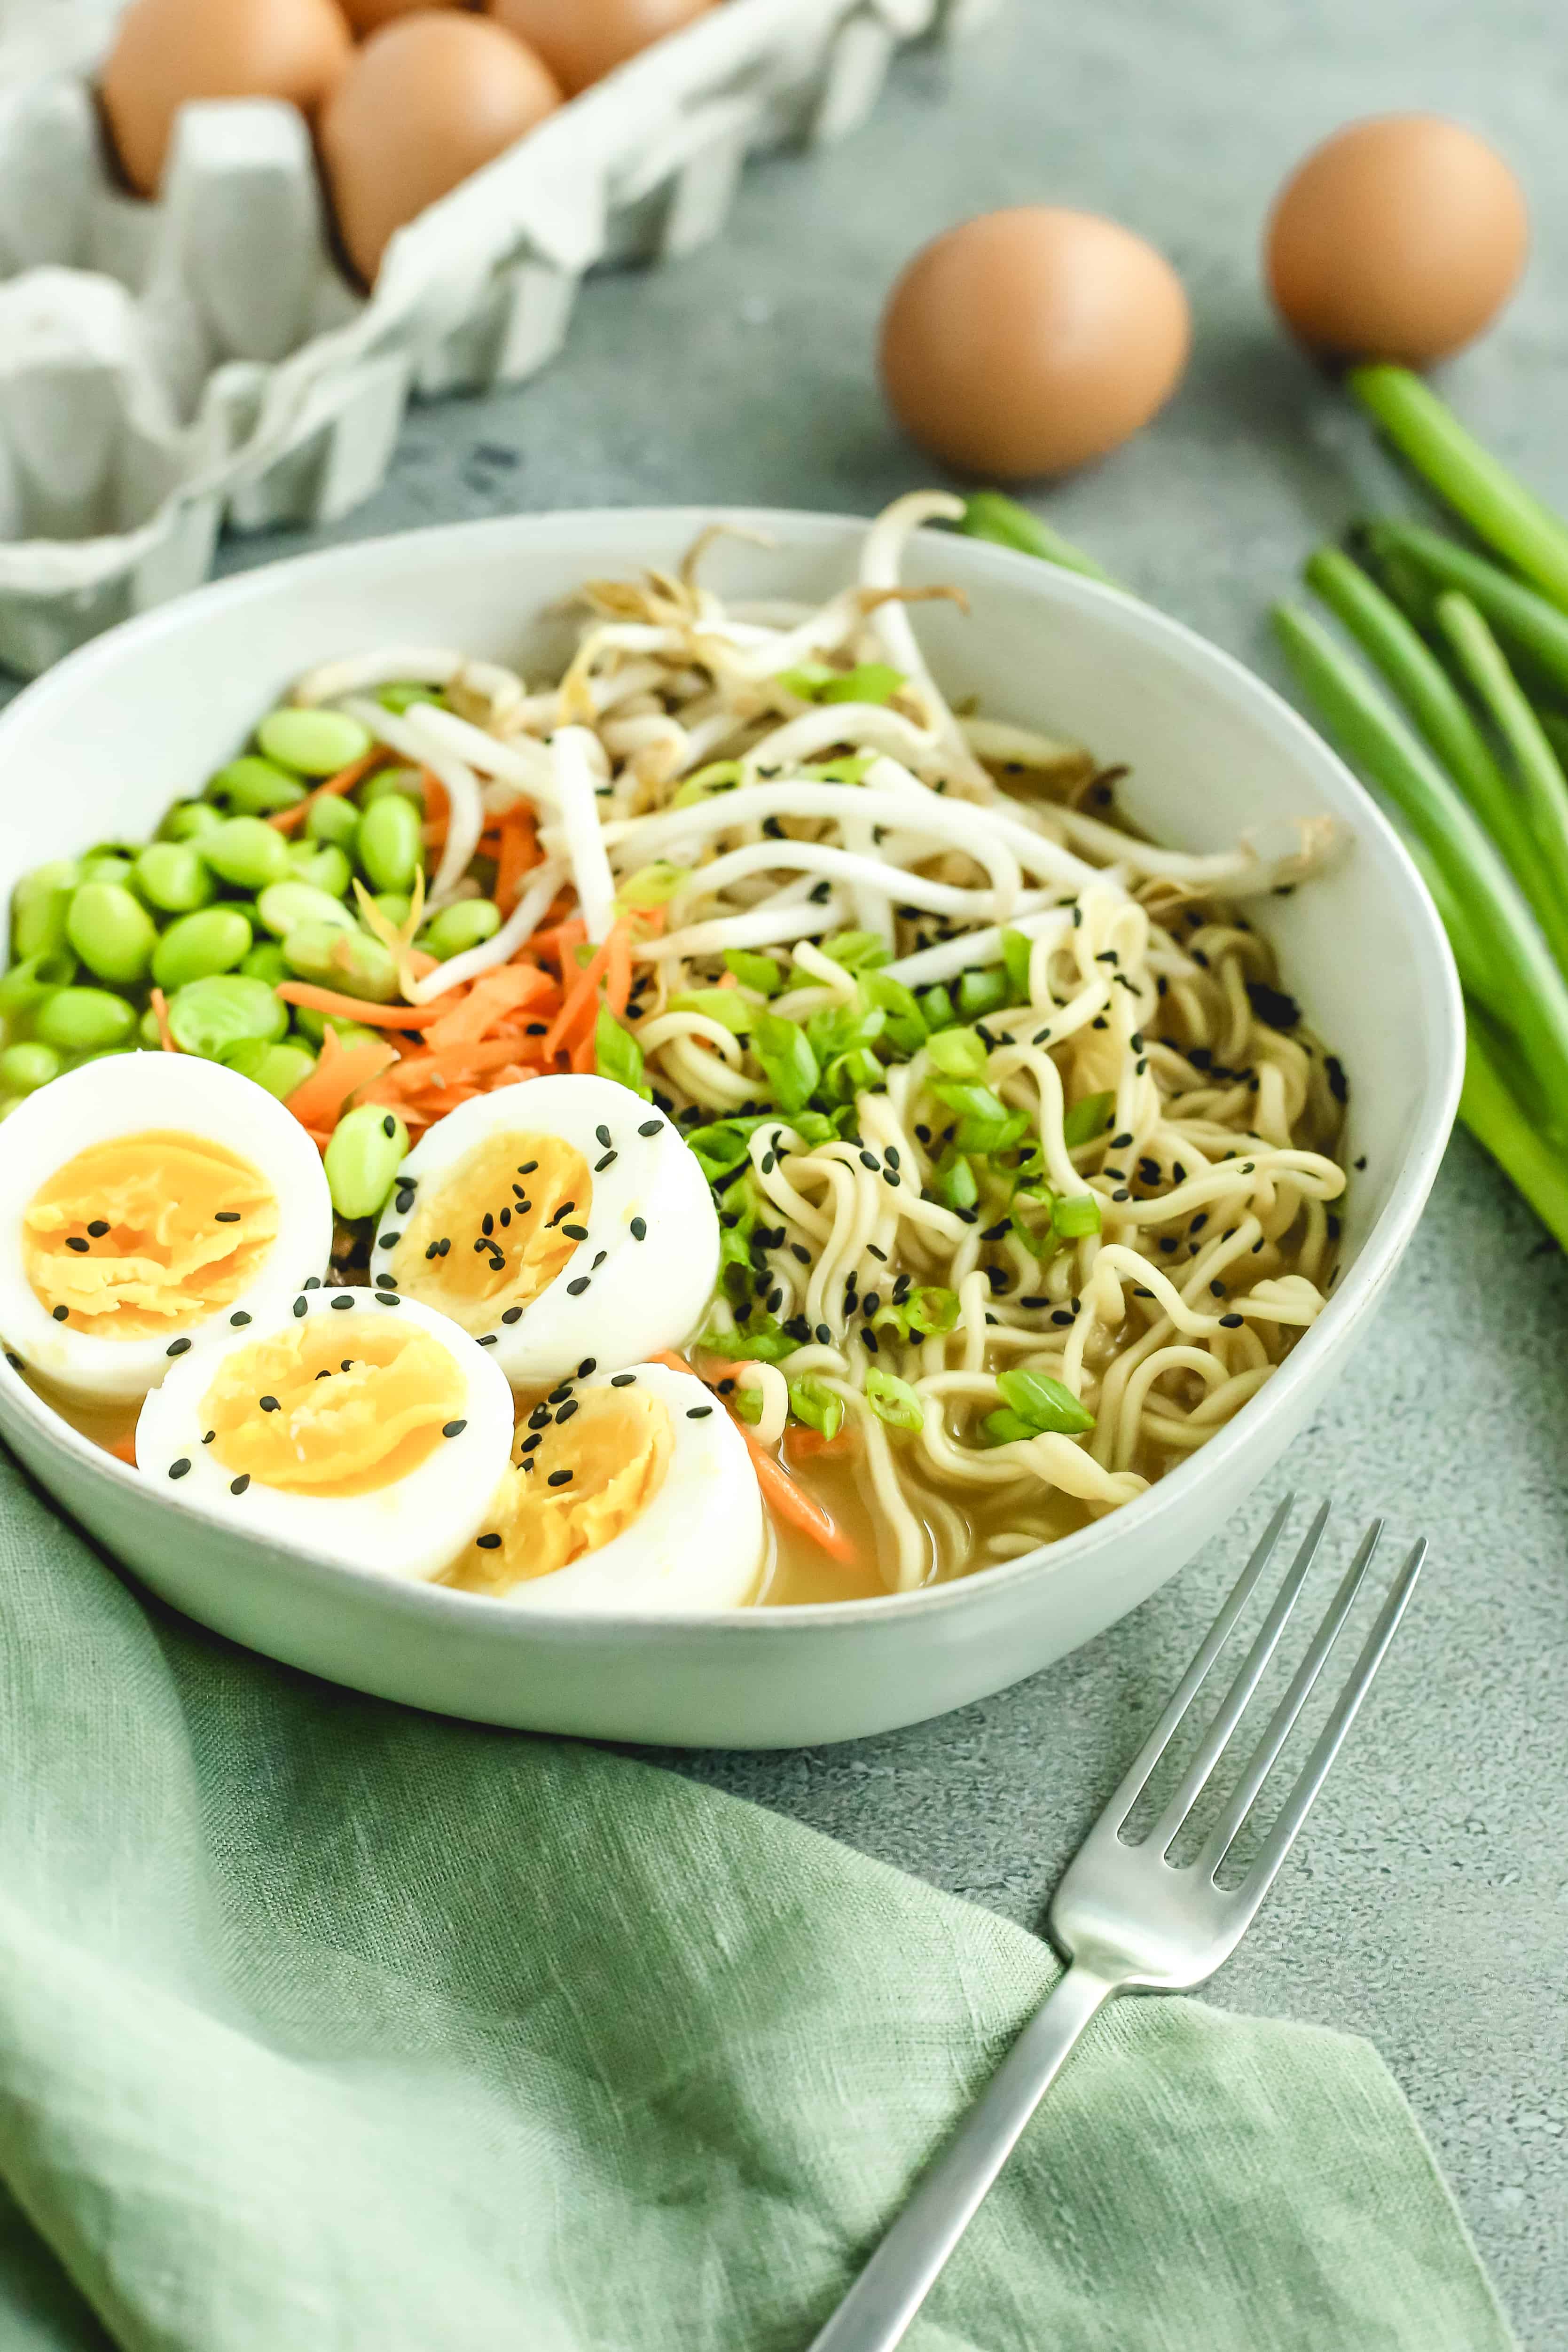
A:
(349, 961)
(465, 924)
(284, 905)
(278, 1069)
(314, 1026)
(199, 945)
(322, 863)
(111, 931)
(186, 819)
(406, 781)
(390, 843)
(394, 905)
(106, 865)
(266, 962)
(367, 1149)
(313, 743)
(252, 787)
(172, 878)
(247, 852)
(333, 819)
(207, 1016)
(24, 1068)
(38, 907)
(148, 1031)
(23, 988)
(84, 1020)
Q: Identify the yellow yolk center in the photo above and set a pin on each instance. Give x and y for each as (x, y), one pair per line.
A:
(144, 1235)
(608, 1460)
(496, 1229)
(338, 1405)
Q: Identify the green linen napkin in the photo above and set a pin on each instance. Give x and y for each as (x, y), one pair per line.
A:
(329, 2027)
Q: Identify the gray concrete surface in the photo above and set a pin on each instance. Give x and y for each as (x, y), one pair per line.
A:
(1428, 1905)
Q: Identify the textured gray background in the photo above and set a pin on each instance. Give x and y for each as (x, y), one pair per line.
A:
(1428, 1905)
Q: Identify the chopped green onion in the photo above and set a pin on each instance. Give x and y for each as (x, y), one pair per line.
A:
(1046, 1402)
(402, 694)
(651, 885)
(980, 992)
(727, 1006)
(1086, 1119)
(954, 1185)
(617, 1055)
(1016, 950)
(893, 1401)
(719, 776)
(840, 1028)
(1006, 1429)
(767, 1343)
(816, 1405)
(747, 1404)
(849, 768)
(868, 682)
(723, 1146)
(759, 972)
(931, 1311)
(958, 1053)
(787, 1060)
(1074, 1215)
(858, 1072)
(984, 1122)
(856, 950)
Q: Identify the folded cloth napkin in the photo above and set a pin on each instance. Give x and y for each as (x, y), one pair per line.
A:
(325, 2025)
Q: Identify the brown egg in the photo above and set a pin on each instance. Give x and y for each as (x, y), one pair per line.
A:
(1398, 238)
(427, 100)
(368, 16)
(1029, 342)
(167, 51)
(582, 39)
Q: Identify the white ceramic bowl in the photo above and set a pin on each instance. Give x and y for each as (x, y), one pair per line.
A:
(98, 748)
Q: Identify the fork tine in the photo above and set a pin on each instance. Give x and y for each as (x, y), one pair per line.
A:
(1261, 1761)
(1315, 1772)
(1126, 1792)
(1230, 1713)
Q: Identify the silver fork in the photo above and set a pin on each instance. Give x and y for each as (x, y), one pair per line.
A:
(1126, 1919)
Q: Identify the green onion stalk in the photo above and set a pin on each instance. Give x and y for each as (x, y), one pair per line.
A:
(1464, 734)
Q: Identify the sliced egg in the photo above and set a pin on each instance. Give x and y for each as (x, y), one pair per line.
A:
(145, 1199)
(632, 1490)
(563, 1219)
(358, 1426)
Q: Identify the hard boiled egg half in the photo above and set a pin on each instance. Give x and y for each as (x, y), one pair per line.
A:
(562, 1221)
(145, 1200)
(358, 1426)
(629, 1491)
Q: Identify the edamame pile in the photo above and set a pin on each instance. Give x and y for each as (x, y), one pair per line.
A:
(223, 906)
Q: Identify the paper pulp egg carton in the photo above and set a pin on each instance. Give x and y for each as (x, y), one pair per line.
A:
(169, 366)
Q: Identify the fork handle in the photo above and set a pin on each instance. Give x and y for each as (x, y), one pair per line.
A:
(894, 2284)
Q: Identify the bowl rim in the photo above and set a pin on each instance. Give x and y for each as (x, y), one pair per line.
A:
(1142, 626)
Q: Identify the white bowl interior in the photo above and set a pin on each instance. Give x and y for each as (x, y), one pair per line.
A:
(97, 749)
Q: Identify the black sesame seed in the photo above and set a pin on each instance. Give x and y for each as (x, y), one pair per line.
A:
(390, 1241)
(488, 1338)
(879, 1255)
(237, 1486)
(650, 1127)
(443, 1245)
(870, 1303)
(389, 1125)
(347, 1365)
(178, 1469)
(341, 1301)
(226, 1216)
(75, 1242)
(529, 1442)
(487, 1224)
(526, 1167)
(823, 1334)
(488, 1543)
(453, 1428)
(698, 1411)
(208, 1436)
(600, 1165)
(100, 1226)
(589, 1364)
(622, 1379)
(1060, 1315)
(560, 1478)
(404, 1201)
(1230, 1322)
(178, 1348)
(575, 1289)
(511, 1315)
(870, 1159)
(575, 1233)
(603, 1134)
(639, 1230)
(870, 1339)
(536, 1029)
(270, 1404)
(599, 1259)
(311, 1282)
(1217, 1289)
(995, 1232)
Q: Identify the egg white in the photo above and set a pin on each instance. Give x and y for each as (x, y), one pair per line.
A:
(129, 1095)
(698, 1544)
(642, 1294)
(412, 1528)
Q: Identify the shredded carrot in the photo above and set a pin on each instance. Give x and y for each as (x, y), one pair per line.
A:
(438, 810)
(518, 850)
(290, 819)
(805, 1445)
(317, 1102)
(161, 1014)
(124, 1448)
(416, 1071)
(488, 997)
(352, 1008)
(781, 1493)
(555, 940)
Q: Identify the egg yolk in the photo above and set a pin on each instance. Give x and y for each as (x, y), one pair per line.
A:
(578, 1481)
(144, 1235)
(338, 1405)
(495, 1229)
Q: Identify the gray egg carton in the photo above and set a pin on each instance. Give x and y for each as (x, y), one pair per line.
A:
(170, 366)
